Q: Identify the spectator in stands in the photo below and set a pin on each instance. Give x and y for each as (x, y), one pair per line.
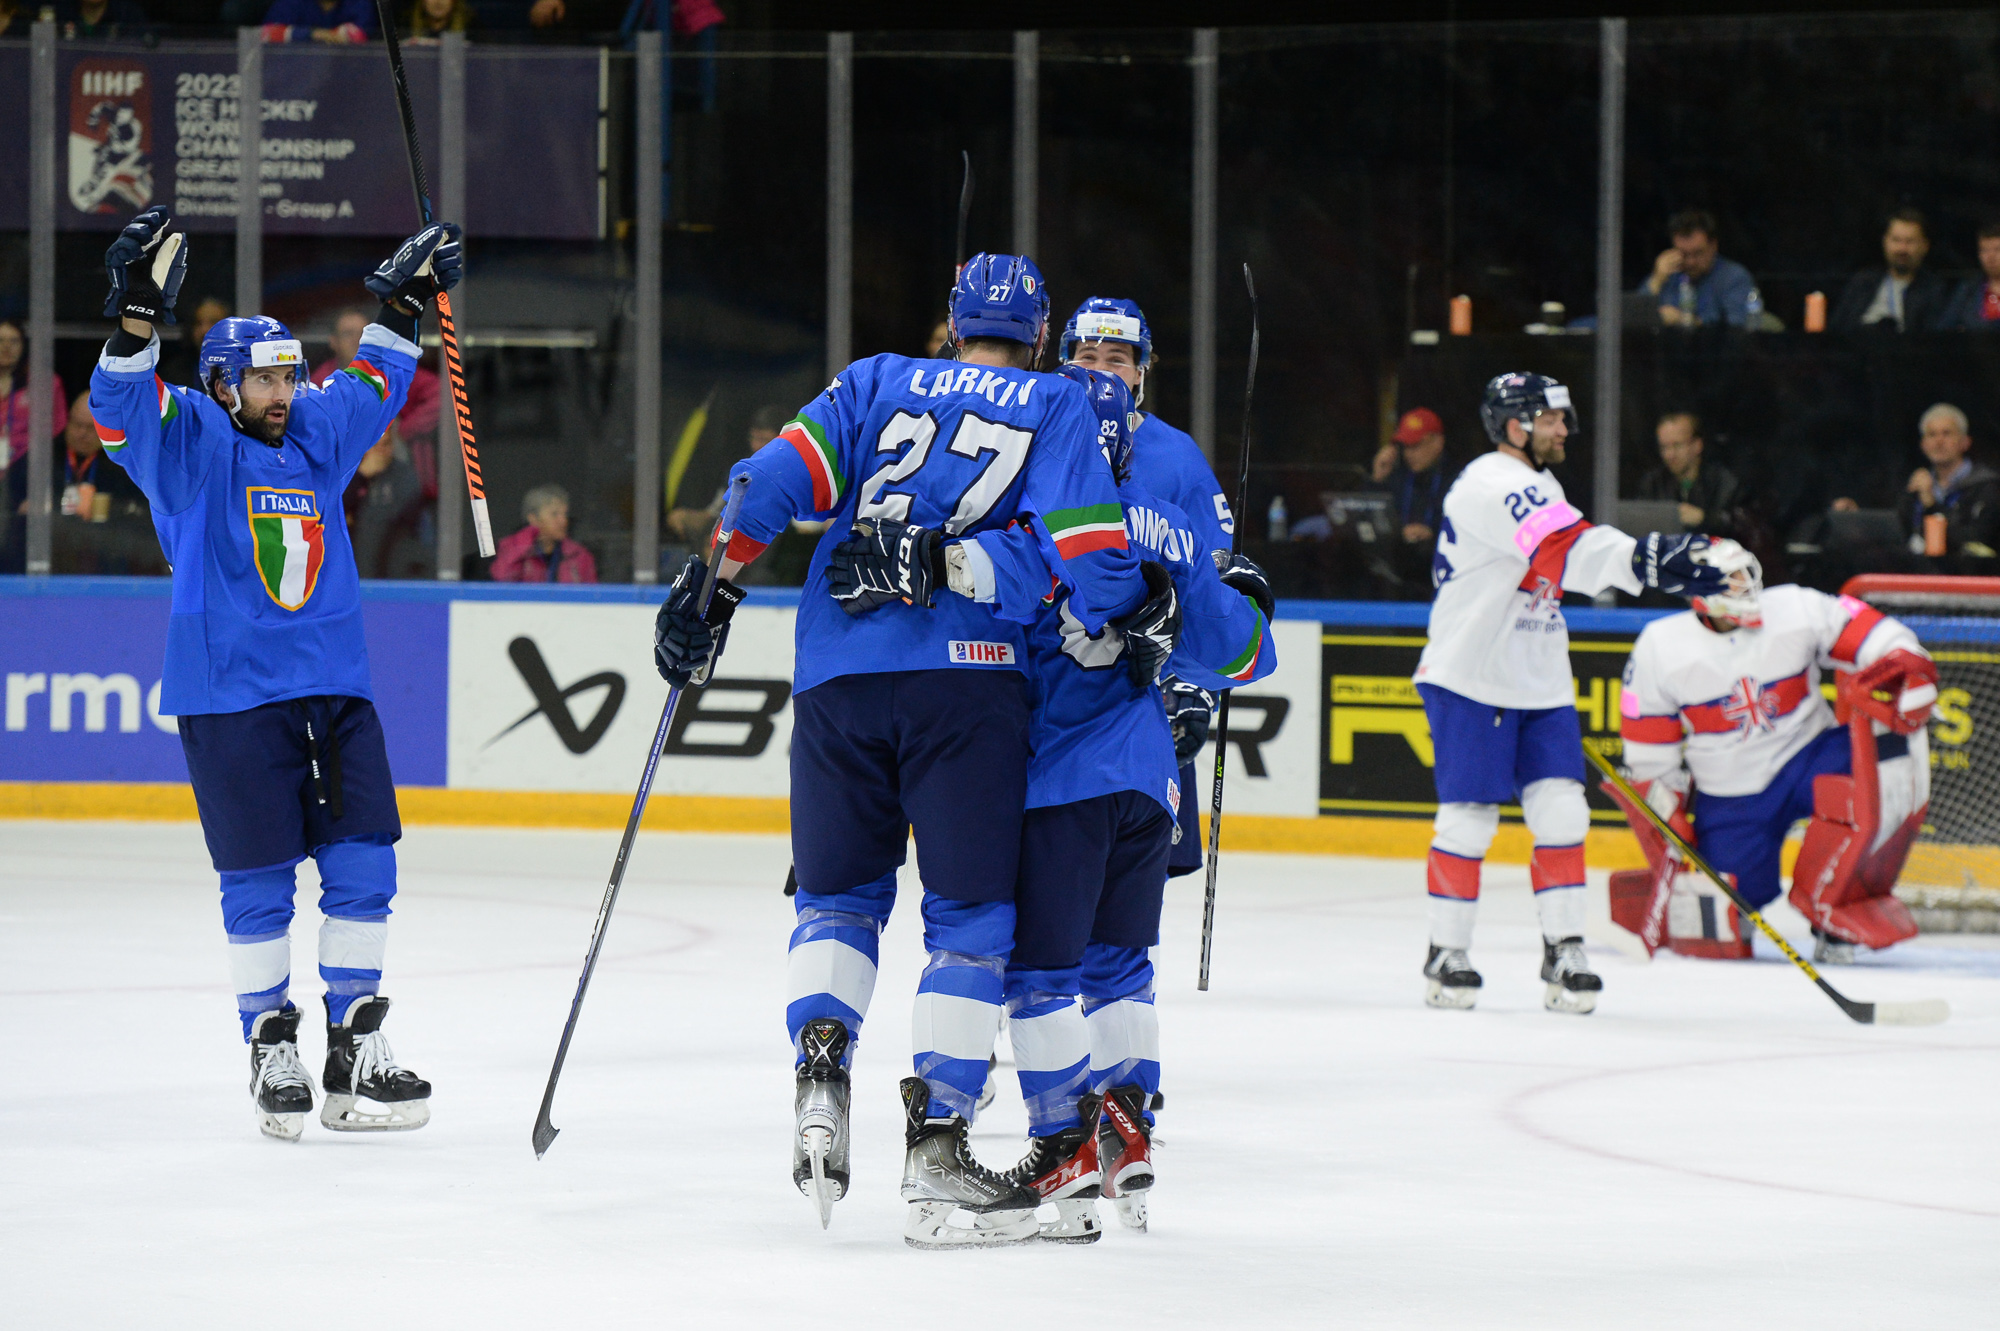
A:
(427, 20)
(934, 344)
(1694, 283)
(1415, 471)
(344, 342)
(15, 18)
(102, 523)
(542, 551)
(15, 431)
(1708, 493)
(384, 504)
(334, 22)
(99, 20)
(1965, 493)
(1899, 297)
(1977, 304)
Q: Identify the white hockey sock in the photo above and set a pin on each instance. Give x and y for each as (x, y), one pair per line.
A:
(1124, 1044)
(1561, 909)
(1052, 1051)
(1451, 922)
(260, 966)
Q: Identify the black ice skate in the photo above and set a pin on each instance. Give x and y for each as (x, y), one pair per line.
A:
(956, 1202)
(1125, 1154)
(1062, 1169)
(1573, 986)
(278, 1081)
(365, 1090)
(819, 1148)
(1453, 982)
(1831, 951)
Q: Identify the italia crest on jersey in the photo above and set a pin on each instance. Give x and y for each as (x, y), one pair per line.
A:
(290, 542)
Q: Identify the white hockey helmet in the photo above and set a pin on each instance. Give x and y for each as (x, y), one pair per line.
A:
(1740, 606)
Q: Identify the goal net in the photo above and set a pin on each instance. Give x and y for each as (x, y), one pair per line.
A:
(1952, 880)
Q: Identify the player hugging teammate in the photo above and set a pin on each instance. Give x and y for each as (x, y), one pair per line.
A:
(978, 527)
(266, 667)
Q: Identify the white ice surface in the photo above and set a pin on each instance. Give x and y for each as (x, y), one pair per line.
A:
(1716, 1146)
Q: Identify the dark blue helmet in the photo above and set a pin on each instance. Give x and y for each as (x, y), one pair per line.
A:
(1116, 420)
(1108, 319)
(238, 344)
(1519, 396)
(1000, 295)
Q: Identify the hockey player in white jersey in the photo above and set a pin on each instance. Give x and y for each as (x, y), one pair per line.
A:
(1731, 689)
(1496, 683)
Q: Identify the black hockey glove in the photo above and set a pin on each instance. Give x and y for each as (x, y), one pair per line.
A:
(884, 560)
(1240, 574)
(146, 266)
(428, 262)
(685, 642)
(1671, 564)
(1151, 630)
(1190, 710)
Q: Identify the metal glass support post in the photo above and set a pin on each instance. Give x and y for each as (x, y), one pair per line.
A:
(249, 175)
(41, 286)
(450, 203)
(839, 201)
(1610, 263)
(1027, 138)
(646, 494)
(1201, 289)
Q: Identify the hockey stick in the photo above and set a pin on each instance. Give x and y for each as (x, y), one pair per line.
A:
(545, 1131)
(1222, 709)
(964, 213)
(461, 410)
(1923, 1012)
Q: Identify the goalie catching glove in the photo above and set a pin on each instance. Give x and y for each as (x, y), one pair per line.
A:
(146, 266)
(1151, 630)
(883, 560)
(431, 261)
(1898, 691)
(686, 641)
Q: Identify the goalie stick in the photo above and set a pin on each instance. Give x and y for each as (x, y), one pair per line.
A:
(545, 1131)
(1923, 1012)
(461, 409)
(1222, 708)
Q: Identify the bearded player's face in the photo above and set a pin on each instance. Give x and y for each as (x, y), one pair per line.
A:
(265, 402)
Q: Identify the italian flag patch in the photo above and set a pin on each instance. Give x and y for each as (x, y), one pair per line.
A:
(1078, 531)
(290, 543)
(1245, 664)
(822, 462)
(369, 375)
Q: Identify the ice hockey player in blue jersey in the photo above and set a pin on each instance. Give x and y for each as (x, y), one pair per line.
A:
(1110, 334)
(266, 668)
(911, 708)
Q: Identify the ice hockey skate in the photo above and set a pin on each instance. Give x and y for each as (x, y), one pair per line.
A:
(278, 1081)
(1125, 1154)
(1453, 982)
(956, 1202)
(1572, 985)
(1062, 1170)
(819, 1148)
(365, 1090)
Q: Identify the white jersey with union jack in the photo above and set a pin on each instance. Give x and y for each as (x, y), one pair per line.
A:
(1743, 703)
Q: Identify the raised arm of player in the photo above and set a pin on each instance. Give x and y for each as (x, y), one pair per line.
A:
(1522, 521)
(149, 427)
(804, 473)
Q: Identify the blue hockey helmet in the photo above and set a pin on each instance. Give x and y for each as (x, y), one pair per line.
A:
(1000, 295)
(1108, 319)
(1116, 417)
(1520, 396)
(249, 342)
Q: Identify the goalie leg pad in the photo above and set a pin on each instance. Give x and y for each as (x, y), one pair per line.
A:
(1842, 879)
(1701, 922)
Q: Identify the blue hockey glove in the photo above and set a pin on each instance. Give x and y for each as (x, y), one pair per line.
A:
(1672, 564)
(1190, 710)
(684, 640)
(1151, 630)
(146, 266)
(429, 262)
(1240, 574)
(884, 560)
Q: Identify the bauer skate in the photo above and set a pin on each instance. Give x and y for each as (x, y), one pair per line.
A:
(1572, 985)
(1831, 951)
(1125, 1154)
(819, 1147)
(1062, 1171)
(365, 1090)
(278, 1081)
(956, 1202)
(1453, 982)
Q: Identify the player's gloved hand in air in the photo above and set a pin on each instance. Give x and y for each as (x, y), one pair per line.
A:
(1899, 690)
(1190, 711)
(684, 639)
(1242, 575)
(431, 261)
(147, 265)
(883, 560)
(1152, 629)
(1671, 564)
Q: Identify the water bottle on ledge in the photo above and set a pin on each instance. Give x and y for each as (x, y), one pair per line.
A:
(1753, 311)
(1277, 520)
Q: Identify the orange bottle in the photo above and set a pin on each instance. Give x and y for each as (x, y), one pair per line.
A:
(1461, 316)
(1816, 312)
(1935, 528)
